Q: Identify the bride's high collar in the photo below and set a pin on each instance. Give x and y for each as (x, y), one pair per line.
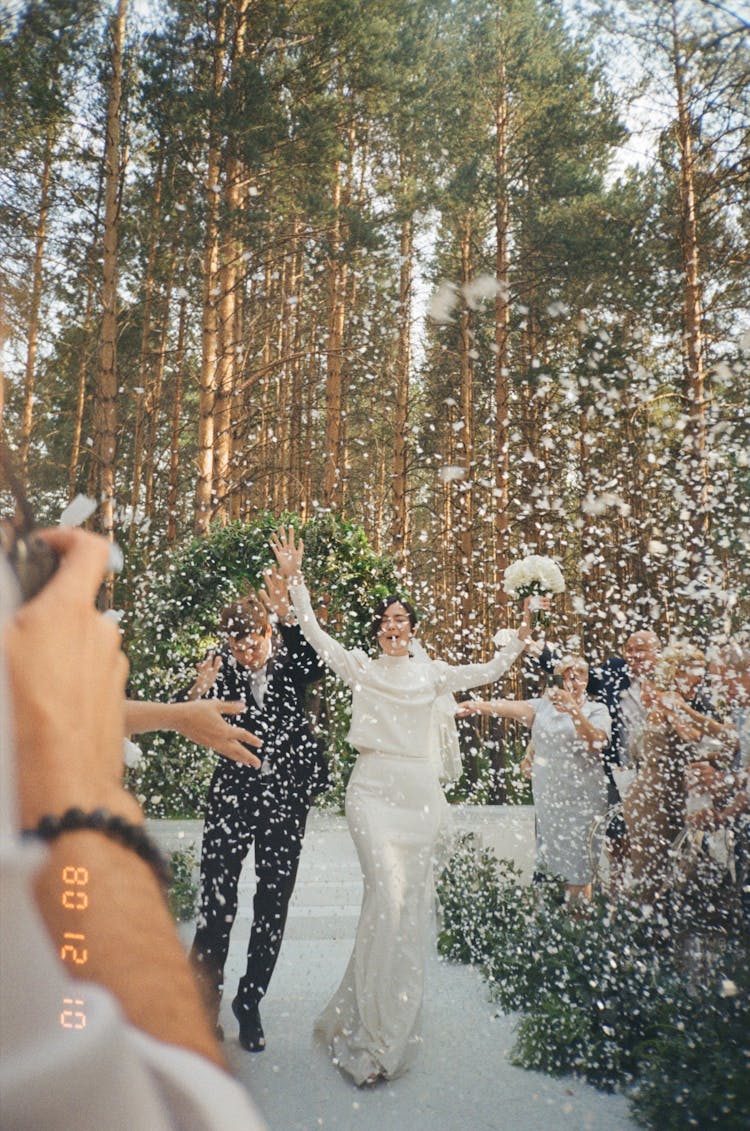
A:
(392, 661)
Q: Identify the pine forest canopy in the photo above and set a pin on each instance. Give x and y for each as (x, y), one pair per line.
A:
(388, 260)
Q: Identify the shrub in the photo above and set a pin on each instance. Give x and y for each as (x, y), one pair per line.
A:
(622, 995)
(182, 896)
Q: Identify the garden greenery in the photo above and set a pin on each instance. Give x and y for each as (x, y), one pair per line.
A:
(655, 1001)
(175, 620)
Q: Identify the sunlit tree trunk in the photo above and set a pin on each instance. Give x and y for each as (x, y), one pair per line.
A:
(501, 500)
(154, 408)
(37, 280)
(465, 441)
(693, 350)
(173, 494)
(84, 359)
(209, 319)
(105, 416)
(334, 350)
(400, 528)
(229, 276)
(295, 490)
(143, 379)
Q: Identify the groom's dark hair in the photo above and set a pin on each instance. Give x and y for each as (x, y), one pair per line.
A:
(244, 618)
(382, 606)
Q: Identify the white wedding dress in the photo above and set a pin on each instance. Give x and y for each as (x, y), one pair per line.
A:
(395, 808)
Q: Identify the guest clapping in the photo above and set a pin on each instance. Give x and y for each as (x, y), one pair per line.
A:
(655, 807)
(569, 732)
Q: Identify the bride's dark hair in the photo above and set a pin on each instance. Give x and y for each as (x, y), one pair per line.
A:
(382, 606)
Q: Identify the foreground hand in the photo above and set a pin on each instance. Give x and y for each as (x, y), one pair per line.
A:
(67, 675)
(202, 721)
(288, 551)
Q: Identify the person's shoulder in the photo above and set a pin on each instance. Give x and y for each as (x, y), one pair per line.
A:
(593, 707)
(609, 670)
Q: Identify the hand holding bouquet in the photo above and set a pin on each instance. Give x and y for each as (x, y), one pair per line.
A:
(535, 576)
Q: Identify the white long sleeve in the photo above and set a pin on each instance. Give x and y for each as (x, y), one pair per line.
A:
(463, 676)
(347, 664)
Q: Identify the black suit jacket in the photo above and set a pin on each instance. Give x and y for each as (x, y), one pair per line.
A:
(607, 682)
(292, 753)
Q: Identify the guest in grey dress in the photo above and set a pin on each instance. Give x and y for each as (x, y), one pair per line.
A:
(568, 732)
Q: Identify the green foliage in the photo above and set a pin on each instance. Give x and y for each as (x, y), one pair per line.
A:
(696, 1071)
(183, 890)
(613, 994)
(176, 620)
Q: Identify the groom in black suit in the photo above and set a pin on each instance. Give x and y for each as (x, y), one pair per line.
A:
(266, 807)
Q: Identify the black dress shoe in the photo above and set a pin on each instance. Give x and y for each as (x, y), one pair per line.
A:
(251, 1030)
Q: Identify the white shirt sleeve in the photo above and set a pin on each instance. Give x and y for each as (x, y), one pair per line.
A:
(348, 665)
(463, 676)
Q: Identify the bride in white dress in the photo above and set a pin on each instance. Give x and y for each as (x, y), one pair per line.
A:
(402, 725)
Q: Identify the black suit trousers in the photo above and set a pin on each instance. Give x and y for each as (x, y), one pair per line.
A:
(245, 812)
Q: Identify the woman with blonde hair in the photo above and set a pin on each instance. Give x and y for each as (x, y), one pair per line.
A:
(655, 808)
(568, 731)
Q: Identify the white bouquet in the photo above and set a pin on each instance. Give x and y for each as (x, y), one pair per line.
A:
(533, 576)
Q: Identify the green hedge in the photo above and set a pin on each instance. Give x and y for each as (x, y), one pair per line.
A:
(654, 1002)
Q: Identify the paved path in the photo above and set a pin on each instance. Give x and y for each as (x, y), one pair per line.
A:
(462, 1080)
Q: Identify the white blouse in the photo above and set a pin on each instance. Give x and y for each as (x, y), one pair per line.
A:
(396, 704)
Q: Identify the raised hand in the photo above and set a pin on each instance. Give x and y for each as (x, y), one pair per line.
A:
(69, 729)
(562, 700)
(208, 672)
(274, 593)
(533, 603)
(288, 552)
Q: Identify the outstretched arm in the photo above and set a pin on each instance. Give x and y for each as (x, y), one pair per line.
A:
(520, 709)
(289, 553)
(200, 720)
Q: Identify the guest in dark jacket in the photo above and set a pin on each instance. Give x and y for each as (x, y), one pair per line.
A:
(266, 807)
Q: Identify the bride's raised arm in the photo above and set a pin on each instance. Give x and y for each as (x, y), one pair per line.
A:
(289, 553)
(463, 676)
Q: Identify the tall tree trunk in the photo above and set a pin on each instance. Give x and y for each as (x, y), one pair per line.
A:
(501, 493)
(173, 494)
(154, 405)
(336, 293)
(37, 279)
(400, 527)
(226, 369)
(465, 441)
(105, 426)
(209, 319)
(693, 351)
(143, 380)
(87, 347)
(295, 495)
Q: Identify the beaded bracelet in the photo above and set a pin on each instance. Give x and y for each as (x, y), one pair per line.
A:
(116, 828)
